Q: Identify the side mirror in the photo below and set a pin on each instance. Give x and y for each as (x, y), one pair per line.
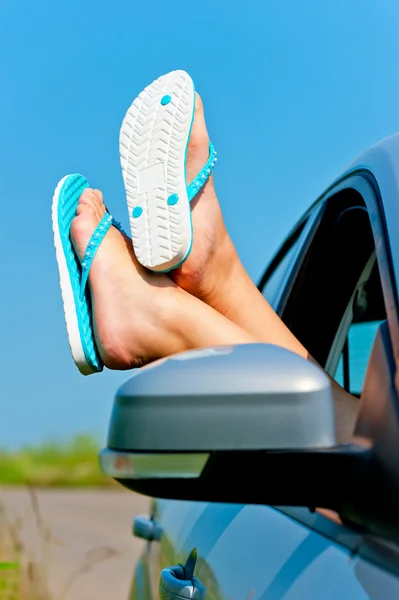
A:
(246, 423)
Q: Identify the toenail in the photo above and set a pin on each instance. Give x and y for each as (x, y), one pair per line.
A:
(165, 100)
(136, 212)
(173, 199)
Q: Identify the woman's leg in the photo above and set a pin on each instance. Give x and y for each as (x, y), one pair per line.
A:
(139, 316)
(214, 273)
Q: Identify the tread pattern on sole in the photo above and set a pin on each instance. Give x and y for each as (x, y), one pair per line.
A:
(154, 133)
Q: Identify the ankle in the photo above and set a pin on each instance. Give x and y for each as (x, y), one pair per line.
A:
(149, 334)
(228, 274)
(160, 328)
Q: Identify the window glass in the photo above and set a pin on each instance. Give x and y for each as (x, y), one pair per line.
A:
(274, 284)
(360, 342)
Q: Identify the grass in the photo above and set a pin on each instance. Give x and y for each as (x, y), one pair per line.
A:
(21, 577)
(71, 464)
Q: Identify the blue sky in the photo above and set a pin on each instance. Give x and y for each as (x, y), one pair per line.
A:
(293, 92)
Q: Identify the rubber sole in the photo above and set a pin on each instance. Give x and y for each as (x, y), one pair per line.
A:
(77, 311)
(153, 144)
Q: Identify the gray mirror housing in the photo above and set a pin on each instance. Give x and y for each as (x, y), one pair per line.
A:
(245, 424)
(247, 397)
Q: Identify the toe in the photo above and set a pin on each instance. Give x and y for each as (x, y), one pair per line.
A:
(89, 212)
(93, 199)
(82, 227)
(200, 131)
(99, 202)
(84, 208)
(198, 147)
(88, 196)
(99, 195)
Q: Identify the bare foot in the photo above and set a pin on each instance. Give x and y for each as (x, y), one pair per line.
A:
(212, 254)
(130, 305)
(138, 315)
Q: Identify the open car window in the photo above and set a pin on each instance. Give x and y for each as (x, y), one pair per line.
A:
(328, 289)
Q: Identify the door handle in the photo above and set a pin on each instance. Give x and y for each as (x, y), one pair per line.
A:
(147, 528)
(179, 583)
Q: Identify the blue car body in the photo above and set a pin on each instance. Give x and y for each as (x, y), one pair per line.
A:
(260, 552)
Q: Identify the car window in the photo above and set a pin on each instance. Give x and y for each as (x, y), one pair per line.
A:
(334, 302)
(280, 274)
(275, 283)
(330, 279)
(326, 287)
(352, 366)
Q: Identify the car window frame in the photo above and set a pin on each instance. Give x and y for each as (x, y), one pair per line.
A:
(346, 321)
(309, 224)
(363, 182)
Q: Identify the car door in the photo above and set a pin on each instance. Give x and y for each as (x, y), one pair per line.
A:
(331, 283)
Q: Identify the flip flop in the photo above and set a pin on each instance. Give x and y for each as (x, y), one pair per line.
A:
(153, 148)
(73, 274)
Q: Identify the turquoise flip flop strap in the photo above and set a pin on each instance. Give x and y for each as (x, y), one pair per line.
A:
(92, 247)
(98, 235)
(118, 226)
(198, 183)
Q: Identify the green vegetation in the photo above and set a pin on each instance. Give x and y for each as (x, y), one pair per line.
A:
(73, 464)
(21, 577)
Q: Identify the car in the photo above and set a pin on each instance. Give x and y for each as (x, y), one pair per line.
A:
(255, 499)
